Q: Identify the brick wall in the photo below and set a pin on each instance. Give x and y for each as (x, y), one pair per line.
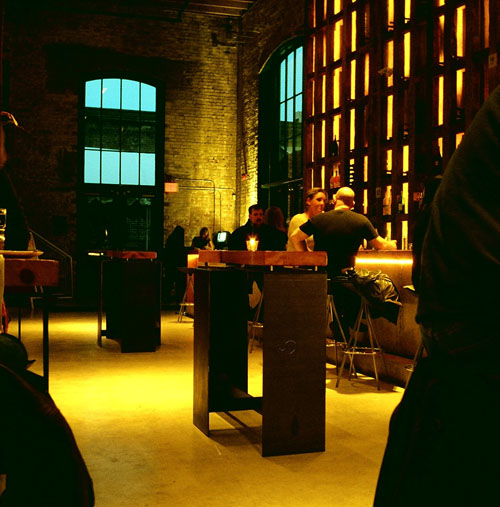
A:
(211, 98)
(269, 23)
(49, 54)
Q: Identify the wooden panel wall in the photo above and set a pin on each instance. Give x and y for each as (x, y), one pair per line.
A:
(392, 85)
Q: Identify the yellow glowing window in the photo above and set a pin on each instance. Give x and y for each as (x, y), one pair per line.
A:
(367, 74)
(353, 79)
(313, 95)
(405, 197)
(390, 12)
(337, 73)
(461, 31)
(312, 178)
(352, 128)
(439, 3)
(365, 201)
(389, 57)
(365, 169)
(351, 171)
(460, 87)
(325, 2)
(313, 7)
(440, 37)
(387, 201)
(458, 138)
(388, 162)
(353, 31)
(406, 159)
(389, 116)
(440, 100)
(337, 5)
(440, 144)
(407, 54)
(337, 40)
(323, 138)
(323, 94)
(323, 40)
(312, 143)
(407, 10)
(388, 233)
(486, 22)
(404, 234)
(336, 126)
(322, 176)
(313, 42)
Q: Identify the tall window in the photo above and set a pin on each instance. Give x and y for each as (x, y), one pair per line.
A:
(120, 199)
(120, 127)
(280, 129)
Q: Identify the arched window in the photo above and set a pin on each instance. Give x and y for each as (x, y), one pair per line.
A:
(280, 129)
(120, 197)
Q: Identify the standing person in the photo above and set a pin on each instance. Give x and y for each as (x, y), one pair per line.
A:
(273, 217)
(203, 241)
(315, 203)
(340, 233)
(444, 441)
(255, 227)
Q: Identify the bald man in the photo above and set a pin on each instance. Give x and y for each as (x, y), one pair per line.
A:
(340, 232)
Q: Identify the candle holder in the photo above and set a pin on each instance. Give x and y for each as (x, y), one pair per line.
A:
(252, 244)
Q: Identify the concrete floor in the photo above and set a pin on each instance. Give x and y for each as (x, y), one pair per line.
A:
(132, 418)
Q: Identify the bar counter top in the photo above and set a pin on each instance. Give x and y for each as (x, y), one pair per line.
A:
(263, 258)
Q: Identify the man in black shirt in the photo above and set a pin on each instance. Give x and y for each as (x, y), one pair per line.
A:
(340, 232)
(255, 227)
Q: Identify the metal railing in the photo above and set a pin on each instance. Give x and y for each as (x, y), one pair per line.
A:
(66, 285)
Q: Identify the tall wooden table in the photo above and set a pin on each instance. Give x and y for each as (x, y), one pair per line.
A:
(26, 273)
(293, 397)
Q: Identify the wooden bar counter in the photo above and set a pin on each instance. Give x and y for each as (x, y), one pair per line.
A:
(293, 400)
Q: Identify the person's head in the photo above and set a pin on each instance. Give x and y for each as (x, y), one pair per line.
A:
(315, 201)
(274, 217)
(204, 232)
(256, 214)
(345, 197)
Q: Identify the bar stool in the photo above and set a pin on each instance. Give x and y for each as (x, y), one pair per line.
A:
(189, 285)
(333, 316)
(353, 349)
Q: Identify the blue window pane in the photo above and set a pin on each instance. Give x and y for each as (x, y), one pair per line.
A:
(130, 95)
(282, 112)
(147, 169)
(290, 78)
(298, 70)
(148, 98)
(289, 111)
(92, 166)
(93, 93)
(111, 93)
(111, 167)
(282, 80)
(298, 104)
(130, 168)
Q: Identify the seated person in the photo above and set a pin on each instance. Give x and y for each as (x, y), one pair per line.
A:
(203, 241)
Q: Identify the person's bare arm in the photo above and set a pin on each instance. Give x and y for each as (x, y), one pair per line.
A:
(382, 244)
(298, 239)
